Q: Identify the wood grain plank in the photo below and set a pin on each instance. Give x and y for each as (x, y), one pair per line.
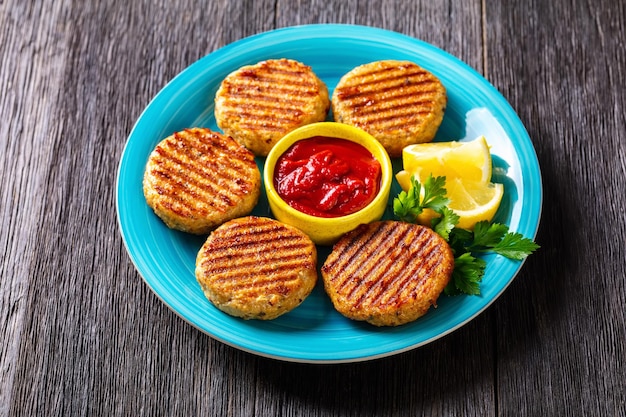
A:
(561, 326)
(32, 66)
(457, 29)
(81, 332)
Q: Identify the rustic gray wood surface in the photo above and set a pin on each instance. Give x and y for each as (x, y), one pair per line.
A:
(80, 332)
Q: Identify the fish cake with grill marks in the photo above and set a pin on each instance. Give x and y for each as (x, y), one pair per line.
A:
(259, 104)
(387, 273)
(257, 267)
(197, 179)
(397, 102)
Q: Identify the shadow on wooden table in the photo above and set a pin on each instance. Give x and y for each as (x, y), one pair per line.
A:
(453, 366)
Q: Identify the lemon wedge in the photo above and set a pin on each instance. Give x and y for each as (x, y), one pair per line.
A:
(468, 160)
(467, 167)
(474, 201)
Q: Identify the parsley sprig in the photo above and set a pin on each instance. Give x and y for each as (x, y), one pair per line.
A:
(467, 245)
(432, 195)
(410, 204)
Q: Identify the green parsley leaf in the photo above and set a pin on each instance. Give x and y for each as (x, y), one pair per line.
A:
(410, 204)
(486, 234)
(467, 274)
(406, 206)
(459, 239)
(445, 224)
(496, 238)
(515, 246)
(435, 193)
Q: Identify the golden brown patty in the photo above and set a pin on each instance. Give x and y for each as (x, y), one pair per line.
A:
(197, 179)
(257, 268)
(397, 102)
(258, 104)
(387, 273)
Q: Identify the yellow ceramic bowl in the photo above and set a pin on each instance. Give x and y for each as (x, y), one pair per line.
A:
(327, 230)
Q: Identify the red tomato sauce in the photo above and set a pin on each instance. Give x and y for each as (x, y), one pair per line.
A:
(327, 177)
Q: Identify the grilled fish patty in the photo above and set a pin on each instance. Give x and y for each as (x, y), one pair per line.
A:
(397, 102)
(257, 268)
(387, 273)
(258, 104)
(197, 179)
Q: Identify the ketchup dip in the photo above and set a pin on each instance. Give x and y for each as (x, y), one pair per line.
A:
(327, 177)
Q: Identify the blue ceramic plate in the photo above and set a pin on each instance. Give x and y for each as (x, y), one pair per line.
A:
(315, 332)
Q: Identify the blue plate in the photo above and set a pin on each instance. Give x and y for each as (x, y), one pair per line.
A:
(315, 332)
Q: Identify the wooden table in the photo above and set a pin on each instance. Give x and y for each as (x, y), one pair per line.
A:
(80, 332)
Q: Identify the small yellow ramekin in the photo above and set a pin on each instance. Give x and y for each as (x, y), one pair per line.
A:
(327, 230)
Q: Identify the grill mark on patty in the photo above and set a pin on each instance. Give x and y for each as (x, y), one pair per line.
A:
(389, 99)
(242, 254)
(266, 119)
(191, 173)
(376, 275)
(382, 105)
(234, 253)
(254, 284)
(431, 260)
(379, 270)
(280, 70)
(237, 268)
(345, 258)
(372, 103)
(390, 77)
(376, 265)
(244, 89)
(256, 267)
(266, 128)
(408, 274)
(198, 198)
(271, 105)
(267, 105)
(372, 265)
(258, 104)
(208, 176)
(212, 154)
(390, 120)
(397, 102)
(384, 89)
(241, 231)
